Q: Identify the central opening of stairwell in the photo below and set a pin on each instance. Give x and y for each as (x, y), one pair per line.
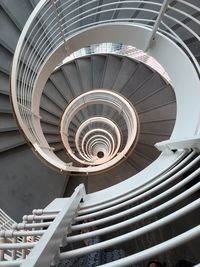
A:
(100, 154)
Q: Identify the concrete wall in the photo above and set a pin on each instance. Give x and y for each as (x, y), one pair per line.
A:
(26, 183)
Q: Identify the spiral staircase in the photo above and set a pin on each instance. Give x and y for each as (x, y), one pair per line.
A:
(99, 104)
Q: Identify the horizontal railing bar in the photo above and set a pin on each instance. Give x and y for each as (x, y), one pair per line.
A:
(133, 234)
(45, 212)
(184, 26)
(139, 197)
(158, 249)
(47, 247)
(103, 6)
(130, 195)
(102, 12)
(21, 245)
(39, 217)
(189, 4)
(185, 14)
(14, 233)
(32, 225)
(144, 215)
(11, 263)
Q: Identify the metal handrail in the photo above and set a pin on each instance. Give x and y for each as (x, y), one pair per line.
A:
(37, 244)
(180, 167)
(145, 204)
(133, 234)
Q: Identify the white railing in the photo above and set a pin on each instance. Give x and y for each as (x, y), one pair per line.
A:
(146, 209)
(6, 224)
(5, 221)
(149, 198)
(36, 241)
(53, 23)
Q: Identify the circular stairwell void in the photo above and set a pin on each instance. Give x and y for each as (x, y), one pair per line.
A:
(126, 113)
(100, 154)
(92, 126)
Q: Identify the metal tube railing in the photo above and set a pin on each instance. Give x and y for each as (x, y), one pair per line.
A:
(117, 226)
(158, 249)
(136, 193)
(42, 254)
(130, 235)
(39, 241)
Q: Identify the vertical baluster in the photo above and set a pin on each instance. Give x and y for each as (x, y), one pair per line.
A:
(24, 240)
(56, 258)
(2, 251)
(14, 240)
(17, 227)
(33, 237)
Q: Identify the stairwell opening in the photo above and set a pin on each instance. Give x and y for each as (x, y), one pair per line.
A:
(100, 154)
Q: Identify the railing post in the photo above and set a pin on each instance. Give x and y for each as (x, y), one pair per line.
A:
(14, 251)
(157, 24)
(56, 258)
(47, 249)
(53, 2)
(2, 241)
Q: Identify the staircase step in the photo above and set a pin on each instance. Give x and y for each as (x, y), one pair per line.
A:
(111, 71)
(7, 123)
(52, 92)
(166, 112)
(98, 63)
(151, 139)
(137, 79)
(73, 79)
(5, 104)
(139, 160)
(84, 69)
(50, 129)
(49, 105)
(151, 87)
(59, 81)
(18, 11)
(10, 140)
(9, 32)
(150, 151)
(158, 126)
(49, 117)
(128, 66)
(4, 85)
(162, 97)
(6, 60)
